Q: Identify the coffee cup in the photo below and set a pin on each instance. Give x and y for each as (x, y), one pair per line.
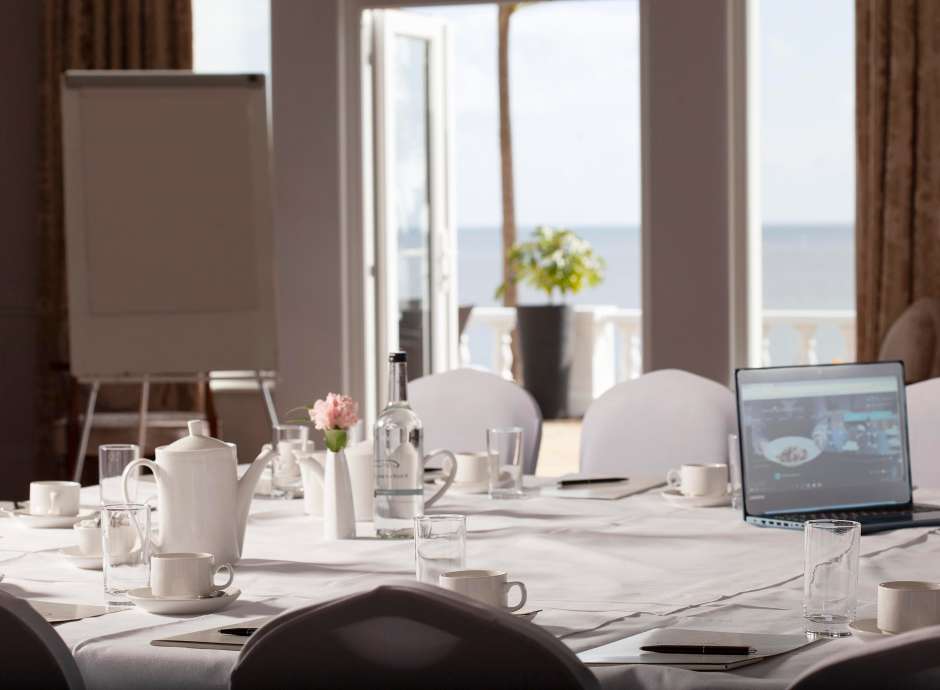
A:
(699, 480)
(486, 586)
(89, 537)
(472, 468)
(54, 498)
(186, 574)
(908, 604)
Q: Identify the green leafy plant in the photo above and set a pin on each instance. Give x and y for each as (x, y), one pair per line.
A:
(556, 259)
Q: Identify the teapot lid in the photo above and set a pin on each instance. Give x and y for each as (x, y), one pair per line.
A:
(198, 439)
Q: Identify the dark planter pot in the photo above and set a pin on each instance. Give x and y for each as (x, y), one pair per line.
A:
(546, 343)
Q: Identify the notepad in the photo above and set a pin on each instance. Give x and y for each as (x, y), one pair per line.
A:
(212, 638)
(55, 612)
(609, 492)
(627, 650)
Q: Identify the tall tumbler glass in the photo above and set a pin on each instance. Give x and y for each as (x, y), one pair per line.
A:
(504, 448)
(125, 547)
(112, 459)
(830, 576)
(440, 546)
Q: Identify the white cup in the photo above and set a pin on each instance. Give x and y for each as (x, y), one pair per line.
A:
(472, 468)
(699, 480)
(486, 586)
(907, 604)
(123, 539)
(186, 574)
(54, 498)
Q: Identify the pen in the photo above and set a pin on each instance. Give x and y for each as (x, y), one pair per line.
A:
(698, 649)
(241, 632)
(597, 480)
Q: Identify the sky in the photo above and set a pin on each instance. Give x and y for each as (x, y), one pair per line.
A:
(575, 105)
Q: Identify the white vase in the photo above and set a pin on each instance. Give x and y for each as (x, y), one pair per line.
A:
(362, 474)
(339, 518)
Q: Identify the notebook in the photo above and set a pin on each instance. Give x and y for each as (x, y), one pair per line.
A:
(627, 650)
(609, 492)
(212, 638)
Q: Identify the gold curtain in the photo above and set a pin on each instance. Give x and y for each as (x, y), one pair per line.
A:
(898, 162)
(90, 34)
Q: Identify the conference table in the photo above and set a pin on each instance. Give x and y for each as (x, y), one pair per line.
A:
(599, 570)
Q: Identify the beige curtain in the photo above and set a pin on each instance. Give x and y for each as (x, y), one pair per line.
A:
(898, 162)
(90, 34)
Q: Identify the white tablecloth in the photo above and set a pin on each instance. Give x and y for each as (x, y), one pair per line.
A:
(599, 570)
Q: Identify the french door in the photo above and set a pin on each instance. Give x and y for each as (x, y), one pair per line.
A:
(415, 268)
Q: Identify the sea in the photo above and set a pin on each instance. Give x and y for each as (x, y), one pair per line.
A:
(804, 267)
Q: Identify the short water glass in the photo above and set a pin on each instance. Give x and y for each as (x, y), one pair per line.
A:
(830, 576)
(504, 448)
(734, 472)
(125, 534)
(440, 546)
(289, 439)
(112, 459)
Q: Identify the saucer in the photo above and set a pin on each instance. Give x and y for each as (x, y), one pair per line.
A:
(27, 519)
(182, 606)
(676, 498)
(73, 556)
(867, 629)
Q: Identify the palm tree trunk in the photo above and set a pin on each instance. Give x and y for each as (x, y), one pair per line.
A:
(506, 173)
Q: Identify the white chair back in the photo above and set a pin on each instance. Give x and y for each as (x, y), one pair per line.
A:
(923, 427)
(32, 654)
(658, 421)
(910, 661)
(412, 636)
(456, 407)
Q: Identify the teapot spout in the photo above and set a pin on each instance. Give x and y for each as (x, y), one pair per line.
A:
(246, 490)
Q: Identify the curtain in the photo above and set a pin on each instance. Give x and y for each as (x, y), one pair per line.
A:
(89, 34)
(898, 162)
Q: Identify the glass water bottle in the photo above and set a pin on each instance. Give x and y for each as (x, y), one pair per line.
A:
(399, 450)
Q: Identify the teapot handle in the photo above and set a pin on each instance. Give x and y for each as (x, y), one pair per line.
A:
(128, 472)
(448, 477)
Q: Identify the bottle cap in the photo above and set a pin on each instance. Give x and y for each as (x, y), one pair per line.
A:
(397, 356)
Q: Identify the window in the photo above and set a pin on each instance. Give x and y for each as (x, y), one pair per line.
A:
(807, 168)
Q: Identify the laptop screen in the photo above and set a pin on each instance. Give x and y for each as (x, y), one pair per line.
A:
(823, 437)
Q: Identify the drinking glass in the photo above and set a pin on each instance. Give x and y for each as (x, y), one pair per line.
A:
(285, 472)
(504, 447)
(112, 459)
(734, 472)
(440, 545)
(125, 548)
(830, 576)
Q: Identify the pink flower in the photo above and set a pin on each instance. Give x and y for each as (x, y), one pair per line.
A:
(336, 412)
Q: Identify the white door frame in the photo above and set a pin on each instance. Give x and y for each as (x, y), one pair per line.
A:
(386, 25)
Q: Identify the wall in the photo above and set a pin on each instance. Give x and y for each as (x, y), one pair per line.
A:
(19, 229)
(686, 214)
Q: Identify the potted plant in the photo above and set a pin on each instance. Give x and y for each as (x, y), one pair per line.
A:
(557, 262)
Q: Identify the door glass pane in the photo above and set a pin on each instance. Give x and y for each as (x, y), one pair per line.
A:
(412, 193)
(807, 149)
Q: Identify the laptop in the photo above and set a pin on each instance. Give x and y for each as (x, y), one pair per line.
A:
(828, 441)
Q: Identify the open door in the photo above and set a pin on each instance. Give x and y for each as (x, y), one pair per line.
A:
(415, 266)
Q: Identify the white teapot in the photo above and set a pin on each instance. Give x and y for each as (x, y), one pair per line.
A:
(202, 506)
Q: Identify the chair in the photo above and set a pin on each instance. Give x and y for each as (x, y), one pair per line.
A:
(656, 422)
(923, 412)
(32, 655)
(915, 339)
(456, 407)
(412, 636)
(910, 661)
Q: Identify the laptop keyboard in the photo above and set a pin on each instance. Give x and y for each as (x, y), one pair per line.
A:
(860, 515)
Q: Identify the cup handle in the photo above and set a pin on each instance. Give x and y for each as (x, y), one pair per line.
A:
(448, 478)
(522, 595)
(227, 568)
(53, 503)
(673, 478)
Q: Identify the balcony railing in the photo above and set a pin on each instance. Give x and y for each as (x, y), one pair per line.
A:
(608, 343)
